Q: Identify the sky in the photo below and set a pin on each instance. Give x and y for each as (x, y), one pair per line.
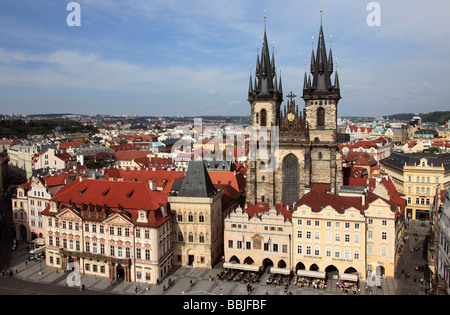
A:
(179, 57)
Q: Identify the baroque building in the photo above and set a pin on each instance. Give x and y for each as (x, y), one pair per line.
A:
(307, 150)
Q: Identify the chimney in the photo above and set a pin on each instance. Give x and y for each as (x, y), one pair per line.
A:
(152, 184)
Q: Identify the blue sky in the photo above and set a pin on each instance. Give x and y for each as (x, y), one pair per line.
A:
(175, 57)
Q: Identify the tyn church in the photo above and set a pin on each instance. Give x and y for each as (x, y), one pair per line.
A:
(308, 148)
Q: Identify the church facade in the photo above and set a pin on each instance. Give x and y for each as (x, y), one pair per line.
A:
(307, 151)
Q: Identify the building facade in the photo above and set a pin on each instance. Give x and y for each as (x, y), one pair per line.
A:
(120, 230)
(417, 175)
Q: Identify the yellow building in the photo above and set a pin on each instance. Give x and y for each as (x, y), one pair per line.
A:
(416, 175)
(352, 234)
(355, 235)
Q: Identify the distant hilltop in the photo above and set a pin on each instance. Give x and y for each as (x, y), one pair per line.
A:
(439, 117)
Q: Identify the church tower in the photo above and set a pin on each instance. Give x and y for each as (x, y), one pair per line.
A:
(321, 97)
(265, 96)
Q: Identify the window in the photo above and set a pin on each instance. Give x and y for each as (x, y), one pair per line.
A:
(111, 230)
(299, 249)
(337, 253)
(179, 217)
(320, 117)
(308, 250)
(347, 238)
(119, 251)
(384, 235)
(337, 237)
(147, 254)
(147, 234)
(263, 118)
(138, 253)
(119, 231)
(201, 217)
(190, 217)
(347, 254)
(201, 238)
(308, 235)
(299, 234)
(102, 249)
(111, 250)
(191, 237)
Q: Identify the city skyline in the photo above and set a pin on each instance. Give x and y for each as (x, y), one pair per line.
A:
(178, 58)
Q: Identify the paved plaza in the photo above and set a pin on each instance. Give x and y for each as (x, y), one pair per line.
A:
(190, 280)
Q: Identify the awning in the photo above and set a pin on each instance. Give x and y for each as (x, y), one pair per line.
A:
(37, 250)
(282, 271)
(241, 266)
(349, 277)
(311, 274)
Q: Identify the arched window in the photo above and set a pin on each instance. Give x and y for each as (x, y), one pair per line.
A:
(201, 217)
(320, 155)
(179, 217)
(180, 236)
(320, 117)
(201, 238)
(191, 237)
(263, 117)
(290, 179)
(190, 217)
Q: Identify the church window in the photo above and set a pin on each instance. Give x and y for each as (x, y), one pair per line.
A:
(263, 117)
(320, 116)
(290, 179)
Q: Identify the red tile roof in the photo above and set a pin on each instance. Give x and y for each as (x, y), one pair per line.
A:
(261, 207)
(127, 195)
